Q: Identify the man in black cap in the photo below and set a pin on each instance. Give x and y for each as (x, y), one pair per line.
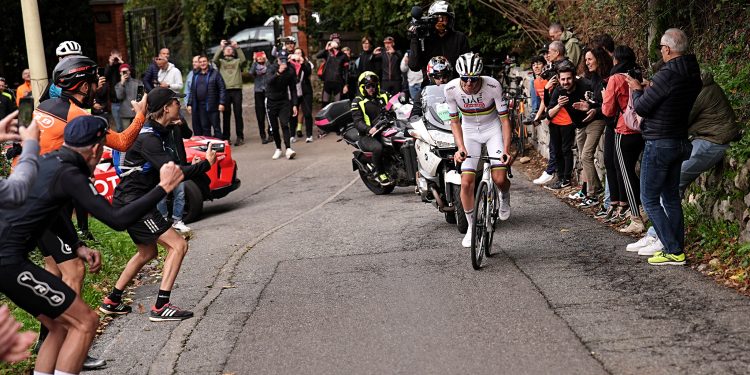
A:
(153, 149)
(64, 178)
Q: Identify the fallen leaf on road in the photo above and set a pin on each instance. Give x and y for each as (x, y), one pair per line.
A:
(564, 230)
(228, 287)
(141, 309)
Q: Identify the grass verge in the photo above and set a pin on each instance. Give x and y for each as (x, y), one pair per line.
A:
(116, 249)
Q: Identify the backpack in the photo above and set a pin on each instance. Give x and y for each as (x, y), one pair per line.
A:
(631, 118)
(118, 159)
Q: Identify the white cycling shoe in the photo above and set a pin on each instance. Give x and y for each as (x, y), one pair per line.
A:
(466, 242)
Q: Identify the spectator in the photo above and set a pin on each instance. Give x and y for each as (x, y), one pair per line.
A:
(64, 50)
(168, 75)
(259, 71)
(125, 91)
(177, 133)
(14, 345)
(364, 62)
(113, 75)
(289, 42)
(572, 46)
(628, 144)
(712, 127)
(25, 88)
(351, 81)
(665, 107)
(564, 119)
(230, 67)
(189, 78)
(598, 66)
(391, 77)
(334, 72)
(537, 87)
(445, 41)
(207, 98)
(414, 79)
(605, 42)
(281, 100)
(151, 77)
(556, 58)
(304, 91)
(7, 103)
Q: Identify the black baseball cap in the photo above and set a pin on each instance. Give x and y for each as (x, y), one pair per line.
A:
(85, 131)
(159, 97)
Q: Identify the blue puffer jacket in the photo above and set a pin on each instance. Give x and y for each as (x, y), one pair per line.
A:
(216, 89)
(666, 105)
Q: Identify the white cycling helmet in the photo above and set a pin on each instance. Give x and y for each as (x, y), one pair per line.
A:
(469, 64)
(68, 48)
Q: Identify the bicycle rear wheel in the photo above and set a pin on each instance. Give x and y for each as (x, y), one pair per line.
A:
(519, 133)
(479, 239)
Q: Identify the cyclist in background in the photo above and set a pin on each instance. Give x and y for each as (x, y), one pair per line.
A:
(479, 99)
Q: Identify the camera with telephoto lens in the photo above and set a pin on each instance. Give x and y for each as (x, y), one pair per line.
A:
(421, 26)
(549, 71)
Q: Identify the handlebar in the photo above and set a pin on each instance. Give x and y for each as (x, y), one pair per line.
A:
(488, 158)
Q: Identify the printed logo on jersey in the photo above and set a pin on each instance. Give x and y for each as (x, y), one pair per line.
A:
(41, 289)
(44, 120)
(93, 189)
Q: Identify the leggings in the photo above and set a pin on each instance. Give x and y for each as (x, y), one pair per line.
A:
(233, 105)
(562, 136)
(628, 148)
(260, 113)
(306, 108)
(610, 164)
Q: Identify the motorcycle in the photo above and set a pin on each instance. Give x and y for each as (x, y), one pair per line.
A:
(438, 181)
(398, 158)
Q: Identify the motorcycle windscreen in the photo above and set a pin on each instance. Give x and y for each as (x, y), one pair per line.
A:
(435, 108)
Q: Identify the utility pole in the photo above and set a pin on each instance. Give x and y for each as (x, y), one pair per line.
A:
(34, 48)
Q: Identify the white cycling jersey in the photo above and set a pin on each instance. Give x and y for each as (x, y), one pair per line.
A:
(479, 119)
(478, 109)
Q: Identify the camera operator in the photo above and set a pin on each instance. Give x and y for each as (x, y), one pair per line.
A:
(433, 35)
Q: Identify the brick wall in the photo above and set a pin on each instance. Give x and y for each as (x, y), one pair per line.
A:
(110, 35)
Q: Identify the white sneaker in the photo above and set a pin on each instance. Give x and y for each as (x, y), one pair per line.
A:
(180, 226)
(544, 178)
(309, 140)
(651, 249)
(643, 242)
(276, 154)
(290, 154)
(504, 205)
(292, 139)
(466, 242)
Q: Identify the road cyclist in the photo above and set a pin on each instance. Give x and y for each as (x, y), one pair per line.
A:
(483, 122)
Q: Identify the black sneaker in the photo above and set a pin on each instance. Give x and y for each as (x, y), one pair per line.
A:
(265, 140)
(560, 184)
(299, 134)
(588, 202)
(239, 142)
(110, 307)
(168, 312)
(92, 363)
(602, 211)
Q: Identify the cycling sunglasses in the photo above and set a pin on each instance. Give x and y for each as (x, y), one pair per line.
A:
(370, 86)
(470, 78)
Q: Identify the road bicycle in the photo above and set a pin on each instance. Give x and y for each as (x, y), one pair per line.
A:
(486, 209)
(516, 100)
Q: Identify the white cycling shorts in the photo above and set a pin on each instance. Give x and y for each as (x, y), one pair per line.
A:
(475, 137)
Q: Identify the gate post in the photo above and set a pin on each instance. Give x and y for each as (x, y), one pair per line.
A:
(109, 28)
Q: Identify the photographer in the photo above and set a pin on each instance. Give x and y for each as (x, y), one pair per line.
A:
(230, 60)
(391, 77)
(433, 35)
(125, 90)
(335, 72)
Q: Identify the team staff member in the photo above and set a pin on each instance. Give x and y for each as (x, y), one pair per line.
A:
(445, 41)
(153, 149)
(64, 177)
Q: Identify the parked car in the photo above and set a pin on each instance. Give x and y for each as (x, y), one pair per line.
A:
(251, 40)
(223, 175)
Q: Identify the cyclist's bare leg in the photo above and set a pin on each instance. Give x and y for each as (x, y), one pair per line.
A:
(51, 266)
(468, 179)
(500, 177)
(73, 273)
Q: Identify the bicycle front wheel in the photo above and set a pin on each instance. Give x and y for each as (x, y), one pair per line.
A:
(480, 234)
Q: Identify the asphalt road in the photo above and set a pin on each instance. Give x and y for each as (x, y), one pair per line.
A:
(303, 270)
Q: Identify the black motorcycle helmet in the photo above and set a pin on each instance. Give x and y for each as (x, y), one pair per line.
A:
(368, 78)
(439, 66)
(69, 74)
